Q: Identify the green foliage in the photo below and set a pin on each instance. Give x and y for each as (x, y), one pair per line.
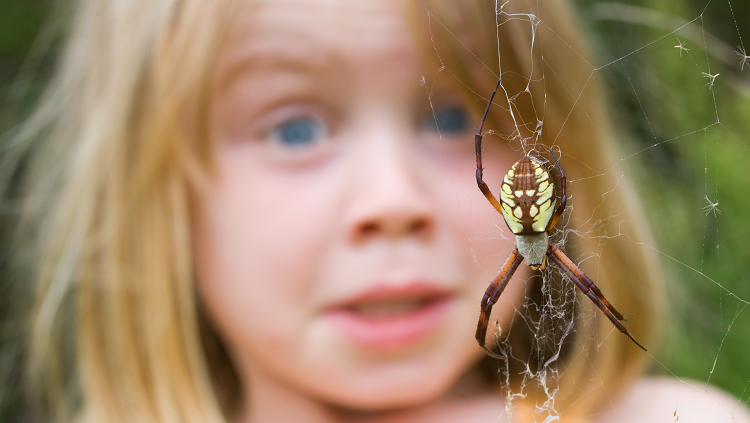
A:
(19, 22)
(686, 142)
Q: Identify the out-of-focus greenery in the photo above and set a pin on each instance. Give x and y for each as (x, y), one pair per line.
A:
(688, 143)
(21, 79)
(20, 21)
(27, 48)
(659, 99)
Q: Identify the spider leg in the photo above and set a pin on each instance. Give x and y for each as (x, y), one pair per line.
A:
(563, 197)
(492, 294)
(587, 287)
(585, 280)
(478, 148)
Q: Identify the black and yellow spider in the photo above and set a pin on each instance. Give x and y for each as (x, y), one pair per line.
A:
(527, 203)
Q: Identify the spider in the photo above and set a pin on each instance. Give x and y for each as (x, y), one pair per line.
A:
(528, 207)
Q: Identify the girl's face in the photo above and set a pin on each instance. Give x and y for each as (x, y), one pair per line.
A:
(343, 247)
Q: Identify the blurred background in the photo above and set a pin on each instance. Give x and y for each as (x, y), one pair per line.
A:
(679, 85)
(685, 136)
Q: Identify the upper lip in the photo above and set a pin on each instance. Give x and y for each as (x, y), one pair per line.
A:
(387, 292)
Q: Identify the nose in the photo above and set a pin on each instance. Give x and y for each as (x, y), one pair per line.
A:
(392, 224)
(391, 196)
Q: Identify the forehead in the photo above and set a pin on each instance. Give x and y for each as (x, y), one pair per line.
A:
(322, 35)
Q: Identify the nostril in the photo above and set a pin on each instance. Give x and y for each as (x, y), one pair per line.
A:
(418, 227)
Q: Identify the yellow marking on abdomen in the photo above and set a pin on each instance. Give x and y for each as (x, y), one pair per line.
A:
(507, 190)
(545, 214)
(533, 211)
(505, 198)
(507, 211)
(513, 223)
(515, 226)
(545, 195)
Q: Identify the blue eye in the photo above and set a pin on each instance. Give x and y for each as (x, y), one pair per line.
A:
(299, 132)
(451, 120)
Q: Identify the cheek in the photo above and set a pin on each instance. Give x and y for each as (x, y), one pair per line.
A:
(487, 241)
(257, 255)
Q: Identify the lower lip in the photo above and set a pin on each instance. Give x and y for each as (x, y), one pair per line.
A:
(385, 333)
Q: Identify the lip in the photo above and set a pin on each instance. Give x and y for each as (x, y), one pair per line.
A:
(395, 330)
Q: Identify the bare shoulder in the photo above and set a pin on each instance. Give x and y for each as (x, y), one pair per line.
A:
(663, 399)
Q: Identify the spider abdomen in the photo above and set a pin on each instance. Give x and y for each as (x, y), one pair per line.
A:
(527, 197)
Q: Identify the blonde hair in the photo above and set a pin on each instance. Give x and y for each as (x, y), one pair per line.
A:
(121, 135)
(108, 208)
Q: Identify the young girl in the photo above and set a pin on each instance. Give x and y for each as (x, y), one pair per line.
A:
(266, 211)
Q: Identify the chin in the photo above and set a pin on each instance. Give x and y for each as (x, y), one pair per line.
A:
(397, 398)
(398, 385)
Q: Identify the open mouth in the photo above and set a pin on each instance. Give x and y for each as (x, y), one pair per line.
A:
(388, 318)
(384, 309)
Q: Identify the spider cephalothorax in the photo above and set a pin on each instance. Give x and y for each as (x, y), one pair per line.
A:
(527, 203)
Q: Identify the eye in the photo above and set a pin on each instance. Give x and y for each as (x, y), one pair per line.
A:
(299, 132)
(449, 120)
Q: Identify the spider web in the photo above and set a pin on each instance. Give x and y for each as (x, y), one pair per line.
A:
(680, 86)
